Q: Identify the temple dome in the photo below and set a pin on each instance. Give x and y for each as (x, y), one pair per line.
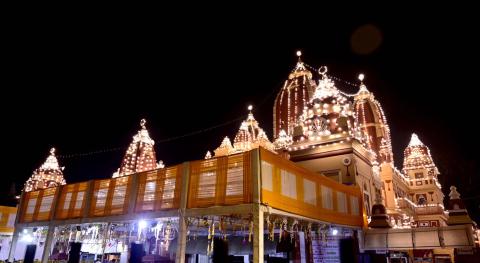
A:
(292, 98)
(371, 119)
(328, 113)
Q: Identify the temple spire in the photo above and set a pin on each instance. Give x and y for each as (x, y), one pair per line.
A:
(140, 155)
(48, 175)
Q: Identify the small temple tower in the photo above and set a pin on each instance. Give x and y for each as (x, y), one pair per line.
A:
(425, 189)
(48, 175)
(248, 137)
(292, 98)
(140, 155)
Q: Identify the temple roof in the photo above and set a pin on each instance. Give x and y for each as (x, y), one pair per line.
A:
(140, 155)
(48, 175)
(292, 98)
(249, 136)
(417, 155)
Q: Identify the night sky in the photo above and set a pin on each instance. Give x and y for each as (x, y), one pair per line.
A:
(83, 87)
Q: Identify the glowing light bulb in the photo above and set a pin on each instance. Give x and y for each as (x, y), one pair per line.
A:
(361, 77)
(142, 224)
(334, 232)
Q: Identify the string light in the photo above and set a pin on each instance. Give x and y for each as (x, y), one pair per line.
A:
(249, 136)
(48, 175)
(140, 155)
(319, 122)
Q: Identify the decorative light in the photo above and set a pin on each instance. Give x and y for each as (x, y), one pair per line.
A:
(140, 155)
(299, 53)
(48, 175)
(361, 77)
(334, 231)
(142, 224)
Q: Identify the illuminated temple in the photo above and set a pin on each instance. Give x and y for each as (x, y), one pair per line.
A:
(324, 188)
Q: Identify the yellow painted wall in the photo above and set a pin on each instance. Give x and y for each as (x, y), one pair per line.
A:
(5, 212)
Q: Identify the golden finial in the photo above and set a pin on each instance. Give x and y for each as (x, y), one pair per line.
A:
(250, 108)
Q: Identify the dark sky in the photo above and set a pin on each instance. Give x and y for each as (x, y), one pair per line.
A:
(83, 86)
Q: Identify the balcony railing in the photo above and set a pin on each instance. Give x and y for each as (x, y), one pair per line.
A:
(222, 181)
(427, 209)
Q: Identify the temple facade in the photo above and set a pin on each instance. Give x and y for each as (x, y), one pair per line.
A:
(324, 189)
(347, 137)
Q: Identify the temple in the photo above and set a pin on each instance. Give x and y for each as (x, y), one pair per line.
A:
(324, 189)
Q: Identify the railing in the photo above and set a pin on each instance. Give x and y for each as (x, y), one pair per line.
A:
(72, 200)
(159, 189)
(403, 203)
(291, 188)
(221, 181)
(37, 205)
(429, 209)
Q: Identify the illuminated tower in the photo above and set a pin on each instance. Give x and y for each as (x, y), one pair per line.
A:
(48, 175)
(140, 155)
(373, 123)
(292, 98)
(248, 137)
(425, 189)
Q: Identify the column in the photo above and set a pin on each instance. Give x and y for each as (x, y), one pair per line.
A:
(257, 208)
(182, 228)
(258, 245)
(13, 246)
(133, 194)
(47, 249)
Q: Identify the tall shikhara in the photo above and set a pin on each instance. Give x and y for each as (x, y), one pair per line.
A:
(48, 175)
(140, 155)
